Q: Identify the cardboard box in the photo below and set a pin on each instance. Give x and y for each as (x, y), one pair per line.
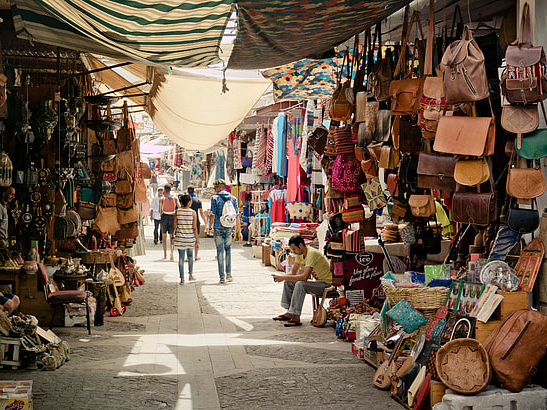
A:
(266, 255)
(511, 301)
(16, 395)
(75, 314)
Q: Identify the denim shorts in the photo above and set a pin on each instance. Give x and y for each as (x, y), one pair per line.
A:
(5, 296)
(167, 223)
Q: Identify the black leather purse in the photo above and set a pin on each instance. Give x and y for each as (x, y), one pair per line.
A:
(523, 220)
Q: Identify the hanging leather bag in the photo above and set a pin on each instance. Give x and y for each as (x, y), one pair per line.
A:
(520, 119)
(106, 220)
(475, 208)
(525, 79)
(516, 347)
(127, 231)
(340, 108)
(124, 186)
(471, 172)
(381, 73)
(422, 206)
(436, 171)
(525, 183)
(125, 201)
(533, 145)
(409, 135)
(432, 106)
(317, 139)
(463, 71)
(473, 136)
(144, 170)
(382, 131)
(523, 220)
(126, 216)
(86, 210)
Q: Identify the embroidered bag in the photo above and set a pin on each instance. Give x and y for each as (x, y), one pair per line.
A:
(347, 175)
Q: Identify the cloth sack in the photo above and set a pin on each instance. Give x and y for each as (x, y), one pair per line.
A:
(347, 175)
(353, 209)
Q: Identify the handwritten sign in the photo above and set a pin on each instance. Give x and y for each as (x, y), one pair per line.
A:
(363, 272)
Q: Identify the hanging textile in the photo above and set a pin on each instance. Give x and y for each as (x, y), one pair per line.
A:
(220, 163)
(261, 153)
(303, 79)
(276, 202)
(296, 175)
(197, 168)
(237, 154)
(281, 152)
(230, 170)
(269, 151)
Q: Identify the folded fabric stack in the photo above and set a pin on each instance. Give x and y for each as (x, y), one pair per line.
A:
(390, 233)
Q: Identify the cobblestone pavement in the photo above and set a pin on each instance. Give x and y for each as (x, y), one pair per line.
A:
(205, 346)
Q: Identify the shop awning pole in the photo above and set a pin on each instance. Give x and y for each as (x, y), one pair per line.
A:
(98, 70)
(123, 89)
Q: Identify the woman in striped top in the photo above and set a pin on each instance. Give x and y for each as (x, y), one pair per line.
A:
(185, 235)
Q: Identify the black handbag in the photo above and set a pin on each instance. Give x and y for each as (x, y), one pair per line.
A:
(523, 220)
(336, 223)
(408, 170)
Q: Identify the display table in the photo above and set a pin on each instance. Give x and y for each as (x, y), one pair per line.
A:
(398, 249)
(11, 276)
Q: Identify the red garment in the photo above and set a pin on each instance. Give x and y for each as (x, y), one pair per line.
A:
(278, 210)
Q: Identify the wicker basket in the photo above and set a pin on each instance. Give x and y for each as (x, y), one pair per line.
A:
(419, 298)
(463, 366)
(91, 258)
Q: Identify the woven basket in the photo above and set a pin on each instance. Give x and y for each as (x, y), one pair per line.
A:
(463, 366)
(419, 298)
(91, 258)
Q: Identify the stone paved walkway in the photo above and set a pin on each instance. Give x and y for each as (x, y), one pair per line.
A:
(205, 346)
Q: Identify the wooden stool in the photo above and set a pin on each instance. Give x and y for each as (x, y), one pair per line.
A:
(9, 346)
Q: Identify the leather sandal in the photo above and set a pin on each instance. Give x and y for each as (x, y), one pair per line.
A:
(282, 317)
(292, 323)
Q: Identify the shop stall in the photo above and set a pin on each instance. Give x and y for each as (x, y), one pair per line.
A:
(427, 207)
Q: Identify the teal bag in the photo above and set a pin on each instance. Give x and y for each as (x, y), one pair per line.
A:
(408, 317)
(533, 145)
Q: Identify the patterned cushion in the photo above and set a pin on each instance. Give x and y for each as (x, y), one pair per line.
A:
(408, 317)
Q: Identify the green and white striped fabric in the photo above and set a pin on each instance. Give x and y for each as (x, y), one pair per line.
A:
(185, 33)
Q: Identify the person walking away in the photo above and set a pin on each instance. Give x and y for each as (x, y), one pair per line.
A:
(224, 217)
(185, 235)
(146, 213)
(297, 283)
(156, 215)
(197, 207)
(168, 208)
(154, 182)
(176, 180)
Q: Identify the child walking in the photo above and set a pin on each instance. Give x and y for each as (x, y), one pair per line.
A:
(185, 235)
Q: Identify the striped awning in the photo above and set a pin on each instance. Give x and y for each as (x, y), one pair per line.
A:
(164, 32)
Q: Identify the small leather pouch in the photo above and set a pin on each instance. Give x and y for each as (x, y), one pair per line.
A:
(525, 183)
(405, 96)
(520, 119)
(369, 168)
(522, 220)
(422, 206)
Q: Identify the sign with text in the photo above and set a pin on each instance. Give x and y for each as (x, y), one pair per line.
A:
(363, 272)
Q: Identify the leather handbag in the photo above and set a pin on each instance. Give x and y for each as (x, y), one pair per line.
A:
(360, 106)
(533, 145)
(422, 206)
(330, 146)
(320, 314)
(106, 220)
(86, 210)
(369, 168)
(463, 71)
(516, 347)
(371, 115)
(474, 208)
(127, 231)
(523, 220)
(408, 170)
(144, 170)
(410, 135)
(125, 163)
(432, 105)
(317, 139)
(524, 80)
(389, 158)
(375, 151)
(520, 119)
(125, 201)
(382, 131)
(525, 183)
(126, 216)
(108, 200)
(405, 96)
(473, 136)
(109, 146)
(381, 73)
(436, 171)
(364, 136)
(340, 109)
(110, 165)
(471, 172)
(110, 176)
(140, 191)
(124, 186)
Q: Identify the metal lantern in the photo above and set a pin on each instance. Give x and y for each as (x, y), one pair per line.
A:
(6, 169)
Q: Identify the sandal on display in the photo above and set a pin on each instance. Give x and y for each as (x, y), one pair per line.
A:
(292, 323)
(281, 317)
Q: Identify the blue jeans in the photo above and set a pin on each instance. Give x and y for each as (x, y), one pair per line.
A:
(223, 242)
(182, 256)
(157, 237)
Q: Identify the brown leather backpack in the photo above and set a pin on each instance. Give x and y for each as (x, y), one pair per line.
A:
(516, 347)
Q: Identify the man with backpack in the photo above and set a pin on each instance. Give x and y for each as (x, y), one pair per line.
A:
(224, 217)
(168, 208)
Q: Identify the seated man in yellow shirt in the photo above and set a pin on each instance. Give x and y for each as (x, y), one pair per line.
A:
(309, 262)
